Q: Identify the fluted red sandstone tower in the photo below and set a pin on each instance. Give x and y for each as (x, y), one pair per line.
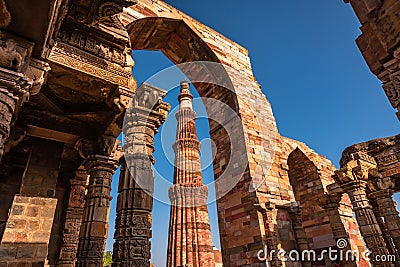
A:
(189, 241)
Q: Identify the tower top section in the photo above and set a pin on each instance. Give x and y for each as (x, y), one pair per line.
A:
(185, 97)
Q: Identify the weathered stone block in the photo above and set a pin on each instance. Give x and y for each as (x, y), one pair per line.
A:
(41, 237)
(33, 225)
(32, 211)
(18, 210)
(7, 252)
(17, 224)
(41, 251)
(98, 229)
(21, 237)
(26, 251)
(46, 224)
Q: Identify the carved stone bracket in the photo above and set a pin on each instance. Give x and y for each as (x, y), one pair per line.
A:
(357, 170)
(37, 72)
(382, 152)
(106, 146)
(15, 52)
(142, 120)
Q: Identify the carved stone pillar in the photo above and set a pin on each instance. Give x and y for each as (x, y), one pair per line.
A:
(20, 76)
(269, 213)
(94, 229)
(382, 190)
(73, 220)
(136, 184)
(13, 88)
(385, 232)
(353, 178)
(331, 204)
(299, 233)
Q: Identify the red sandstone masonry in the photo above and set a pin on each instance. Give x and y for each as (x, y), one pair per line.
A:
(28, 229)
(242, 231)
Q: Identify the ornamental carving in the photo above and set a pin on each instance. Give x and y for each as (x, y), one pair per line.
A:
(72, 57)
(5, 16)
(355, 171)
(92, 12)
(14, 52)
(387, 22)
(94, 47)
(77, 196)
(380, 183)
(392, 89)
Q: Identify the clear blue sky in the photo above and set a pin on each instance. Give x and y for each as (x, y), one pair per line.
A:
(305, 58)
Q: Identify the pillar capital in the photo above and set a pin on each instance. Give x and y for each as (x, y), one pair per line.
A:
(81, 178)
(142, 120)
(381, 187)
(267, 206)
(356, 172)
(100, 163)
(106, 147)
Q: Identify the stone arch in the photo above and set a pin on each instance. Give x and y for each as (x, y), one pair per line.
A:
(304, 178)
(325, 210)
(183, 40)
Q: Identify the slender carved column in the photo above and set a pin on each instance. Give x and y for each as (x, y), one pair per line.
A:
(269, 213)
(73, 220)
(94, 229)
(385, 231)
(382, 190)
(299, 233)
(136, 184)
(331, 204)
(353, 178)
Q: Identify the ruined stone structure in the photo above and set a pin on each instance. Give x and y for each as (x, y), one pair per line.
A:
(189, 241)
(66, 88)
(369, 171)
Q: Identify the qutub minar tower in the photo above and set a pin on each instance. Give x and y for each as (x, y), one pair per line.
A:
(189, 241)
